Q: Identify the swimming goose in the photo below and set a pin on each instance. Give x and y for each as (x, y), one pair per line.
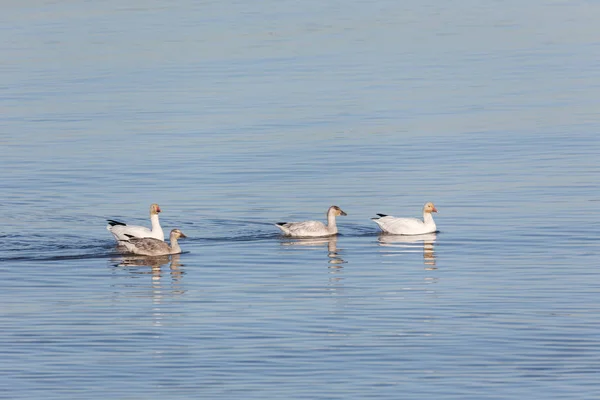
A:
(408, 226)
(120, 230)
(151, 246)
(312, 228)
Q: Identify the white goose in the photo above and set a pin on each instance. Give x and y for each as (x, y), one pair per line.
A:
(308, 229)
(408, 226)
(150, 246)
(120, 230)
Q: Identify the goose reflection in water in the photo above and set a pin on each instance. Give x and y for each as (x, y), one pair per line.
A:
(157, 289)
(154, 262)
(408, 244)
(335, 260)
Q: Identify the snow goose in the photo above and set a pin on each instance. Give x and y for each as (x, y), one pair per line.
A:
(408, 226)
(152, 247)
(120, 230)
(308, 229)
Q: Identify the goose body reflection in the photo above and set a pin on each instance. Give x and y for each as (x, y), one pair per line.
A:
(156, 289)
(155, 262)
(312, 229)
(408, 244)
(391, 240)
(408, 226)
(121, 230)
(330, 242)
(151, 246)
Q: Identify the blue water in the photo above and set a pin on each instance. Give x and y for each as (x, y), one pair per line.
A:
(234, 116)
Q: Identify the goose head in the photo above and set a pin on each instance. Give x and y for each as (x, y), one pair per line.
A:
(154, 209)
(336, 211)
(176, 233)
(429, 208)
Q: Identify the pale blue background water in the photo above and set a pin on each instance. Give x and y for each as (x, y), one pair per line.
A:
(235, 115)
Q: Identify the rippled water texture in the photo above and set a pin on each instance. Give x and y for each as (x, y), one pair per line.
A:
(233, 116)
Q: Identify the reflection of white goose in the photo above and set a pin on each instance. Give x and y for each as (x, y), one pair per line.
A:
(408, 226)
(391, 240)
(408, 244)
(120, 230)
(309, 229)
(330, 241)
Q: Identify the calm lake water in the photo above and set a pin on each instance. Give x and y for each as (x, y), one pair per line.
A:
(236, 115)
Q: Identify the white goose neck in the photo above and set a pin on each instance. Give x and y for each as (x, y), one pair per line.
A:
(155, 224)
(427, 218)
(331, 225)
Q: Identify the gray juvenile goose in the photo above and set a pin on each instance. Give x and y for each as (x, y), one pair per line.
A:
(151, 246)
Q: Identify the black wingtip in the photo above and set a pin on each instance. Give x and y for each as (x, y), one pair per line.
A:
(129, 236)
(382, 215)
(112, 222)
(281, 223)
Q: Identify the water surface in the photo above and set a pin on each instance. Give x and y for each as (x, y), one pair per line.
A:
(234, 116)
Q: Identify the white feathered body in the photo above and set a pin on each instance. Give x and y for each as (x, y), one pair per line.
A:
(406, 226)
(312, 229)
(120, 230)
(307, 229)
